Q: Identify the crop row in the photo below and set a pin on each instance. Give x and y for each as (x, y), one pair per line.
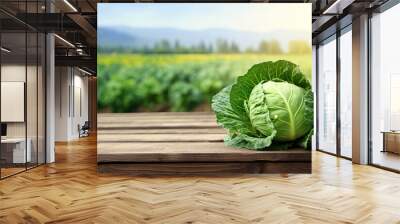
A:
(185, 82)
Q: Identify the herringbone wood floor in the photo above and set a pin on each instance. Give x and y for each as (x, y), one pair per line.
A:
(71, 191)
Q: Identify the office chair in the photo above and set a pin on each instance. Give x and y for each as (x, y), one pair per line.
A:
(84, 130)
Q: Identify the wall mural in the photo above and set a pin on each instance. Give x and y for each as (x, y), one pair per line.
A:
(247, 65)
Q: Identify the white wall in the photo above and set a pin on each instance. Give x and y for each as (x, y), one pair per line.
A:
(62, 82)
(71, 87)
(12, 73)
(80, 105)
(13, 100)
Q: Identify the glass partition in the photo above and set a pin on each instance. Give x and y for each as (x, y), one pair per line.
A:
(22, 88)
(385, 89)
(327, 96)
(14, 153)
(346, 93)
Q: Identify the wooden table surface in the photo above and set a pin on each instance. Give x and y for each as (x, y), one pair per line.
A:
(175, 138)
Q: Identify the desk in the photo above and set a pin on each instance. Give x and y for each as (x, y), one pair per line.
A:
(391, 141)
(17, 150)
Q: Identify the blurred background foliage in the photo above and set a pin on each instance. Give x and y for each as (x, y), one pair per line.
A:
(131, 82)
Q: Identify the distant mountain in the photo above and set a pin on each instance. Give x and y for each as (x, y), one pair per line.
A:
(112, 37)
(128, 36)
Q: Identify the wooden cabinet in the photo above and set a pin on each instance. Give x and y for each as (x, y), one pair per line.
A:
(391, 142)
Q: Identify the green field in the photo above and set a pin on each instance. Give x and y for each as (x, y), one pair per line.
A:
(173, 82)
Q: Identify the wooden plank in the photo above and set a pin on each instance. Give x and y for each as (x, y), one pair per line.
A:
(160, 137)
(154, 120)
(150, 120)
(163, 118)
(157, 114)
(188, 169)
(158, 125)
(190, 152)
(163, 131)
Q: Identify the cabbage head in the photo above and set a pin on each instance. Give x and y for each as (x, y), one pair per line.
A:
(270, 107)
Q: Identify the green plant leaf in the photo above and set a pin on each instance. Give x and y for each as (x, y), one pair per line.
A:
(258, 112)
(248, 142)
(305, 141)
(226, 117)
(309, 107)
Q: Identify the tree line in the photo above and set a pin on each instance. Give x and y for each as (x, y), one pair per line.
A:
(221, 46)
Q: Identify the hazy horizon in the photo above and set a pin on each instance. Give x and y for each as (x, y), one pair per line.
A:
(245, 25)
(253, 17)
(196, 30)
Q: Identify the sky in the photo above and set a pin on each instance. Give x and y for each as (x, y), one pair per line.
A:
(256, 17)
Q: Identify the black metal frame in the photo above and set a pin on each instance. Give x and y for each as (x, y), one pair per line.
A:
(37, 164)
(26, 91)
(316, 97)
(369, 90)
(0, 90)
(338, 96)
